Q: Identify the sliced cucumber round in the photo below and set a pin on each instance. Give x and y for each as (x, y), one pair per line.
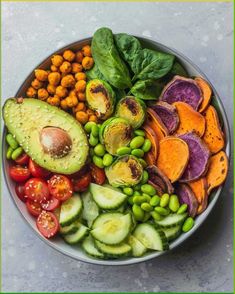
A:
(113, 251)
(70, 210)
(70, 229)
(90, 209)
(105, 217)
(89, 247)
(138, 249)
(107, 198)
(151, 237)
(172, 220)
(78, 236)
(172, 233)
(114, 230)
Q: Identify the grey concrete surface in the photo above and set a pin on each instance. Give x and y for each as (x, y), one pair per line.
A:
(201, 31)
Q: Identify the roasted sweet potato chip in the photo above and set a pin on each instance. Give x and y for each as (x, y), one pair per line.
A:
(151, 156)
(173, 157)
(206, 93)
(190, 120)
(217, 171)
(213, 135)
(199, 187)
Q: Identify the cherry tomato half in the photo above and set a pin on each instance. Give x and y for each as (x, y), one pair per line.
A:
(60, 187)
(20, 192)
(50, 204)
(38, 171)
(34, 208)
(47, 224)
(97, 175)
(37, 190)
(82, 183)
(23, 159)
(19, 173)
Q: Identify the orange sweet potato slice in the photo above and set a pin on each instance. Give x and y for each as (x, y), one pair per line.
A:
(206, 93)
(213, 136)
(199, 187)
(217, 171)
(151, 156)
(190, 120)
(173, 157)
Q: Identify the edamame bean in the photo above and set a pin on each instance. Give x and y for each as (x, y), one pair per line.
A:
(188, 224)
(136, 193)
(147, 145)
(164, 200)
(156, 215)
(143, 162)
(9, 152)
(128, 191)
(99, 150)
(137, 152)
(137, 142)
(16, 153)
(145, 177)
(98, 161)
(147, 216)
(11, 141)
(95, 130)
(88, 126)
(138, 200)
(182, 208)
(123, 150)
(137, 187)
(146, 207)
(161, 210)
(130, 200)
(174, 203)
(139, 133)
(146, 197)
(107, 159)
(93, 140)
(148, 189)
(138, 212)
(155, 200)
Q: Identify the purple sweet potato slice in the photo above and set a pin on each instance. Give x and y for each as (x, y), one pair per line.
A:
(159, 180)
(198, 157)
(168, 114)
(186, 195)
(184, 90)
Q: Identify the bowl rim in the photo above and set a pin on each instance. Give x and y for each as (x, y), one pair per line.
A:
(177, 242)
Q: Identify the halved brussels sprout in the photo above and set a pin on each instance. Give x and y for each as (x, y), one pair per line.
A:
(132, 109)
(100, 98)
(125, 171)
(115, 133)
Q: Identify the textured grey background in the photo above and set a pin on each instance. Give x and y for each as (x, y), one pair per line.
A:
(203, 32)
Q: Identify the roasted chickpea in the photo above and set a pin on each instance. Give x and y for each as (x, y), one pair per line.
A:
(54, 78)
(72, 93)
(79, 56)
(75, 100)
(69, 101)
(63, 104)
(41, 74)
(69, 55)
(82, 117)
(93, 118)
(80, 107)
(68, 81)
(80, 86)
(51, 89)
(76, 67)
(61, 92)
(66, 67)
(31, 92)
(82, 97)
(54, 100)
(86, 50)
(57, 60)
(54, 68)
(87, 62)
(80, 76)
(36, 84)
(43, 94)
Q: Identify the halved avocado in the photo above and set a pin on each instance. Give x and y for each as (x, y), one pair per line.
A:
(101, 98)
(125, 171)
(133, 110)
(50, 136)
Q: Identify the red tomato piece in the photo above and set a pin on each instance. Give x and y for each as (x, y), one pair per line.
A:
(19, 173)
(60, 187)
(34, 208)
(97, 174)
(47, 224)
(82, 183)
(38, 171)
(50, 204)
(20, 192)
(23, 159)
(37, 190)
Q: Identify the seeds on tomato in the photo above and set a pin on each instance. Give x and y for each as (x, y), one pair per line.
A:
(60, 187)
(47, 224)
(33, 207)
(37, 190)
(19, 173)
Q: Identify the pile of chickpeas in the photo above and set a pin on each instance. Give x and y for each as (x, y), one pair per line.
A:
(64, 84)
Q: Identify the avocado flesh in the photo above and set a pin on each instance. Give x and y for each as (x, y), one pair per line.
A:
(27, 119)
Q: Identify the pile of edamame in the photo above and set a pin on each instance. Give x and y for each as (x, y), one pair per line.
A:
(13, 150)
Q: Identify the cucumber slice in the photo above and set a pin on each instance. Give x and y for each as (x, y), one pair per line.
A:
(113, 231)
(113, 251)
(138, 249)
(70, 229)
(90, 209)
(105, 217)
(172, 233)
(77, 236)
(150, 237)
(89, 247)
(70, 210)
(172, 220)
(107, 198)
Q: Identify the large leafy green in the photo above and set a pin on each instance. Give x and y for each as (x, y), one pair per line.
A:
(147, 89)
(107, 58)
(94, 73)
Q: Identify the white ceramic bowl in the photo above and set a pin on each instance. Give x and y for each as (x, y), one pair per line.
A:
(75, 251)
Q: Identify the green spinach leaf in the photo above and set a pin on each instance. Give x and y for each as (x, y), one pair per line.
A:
(147, 89)
(94, 73)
